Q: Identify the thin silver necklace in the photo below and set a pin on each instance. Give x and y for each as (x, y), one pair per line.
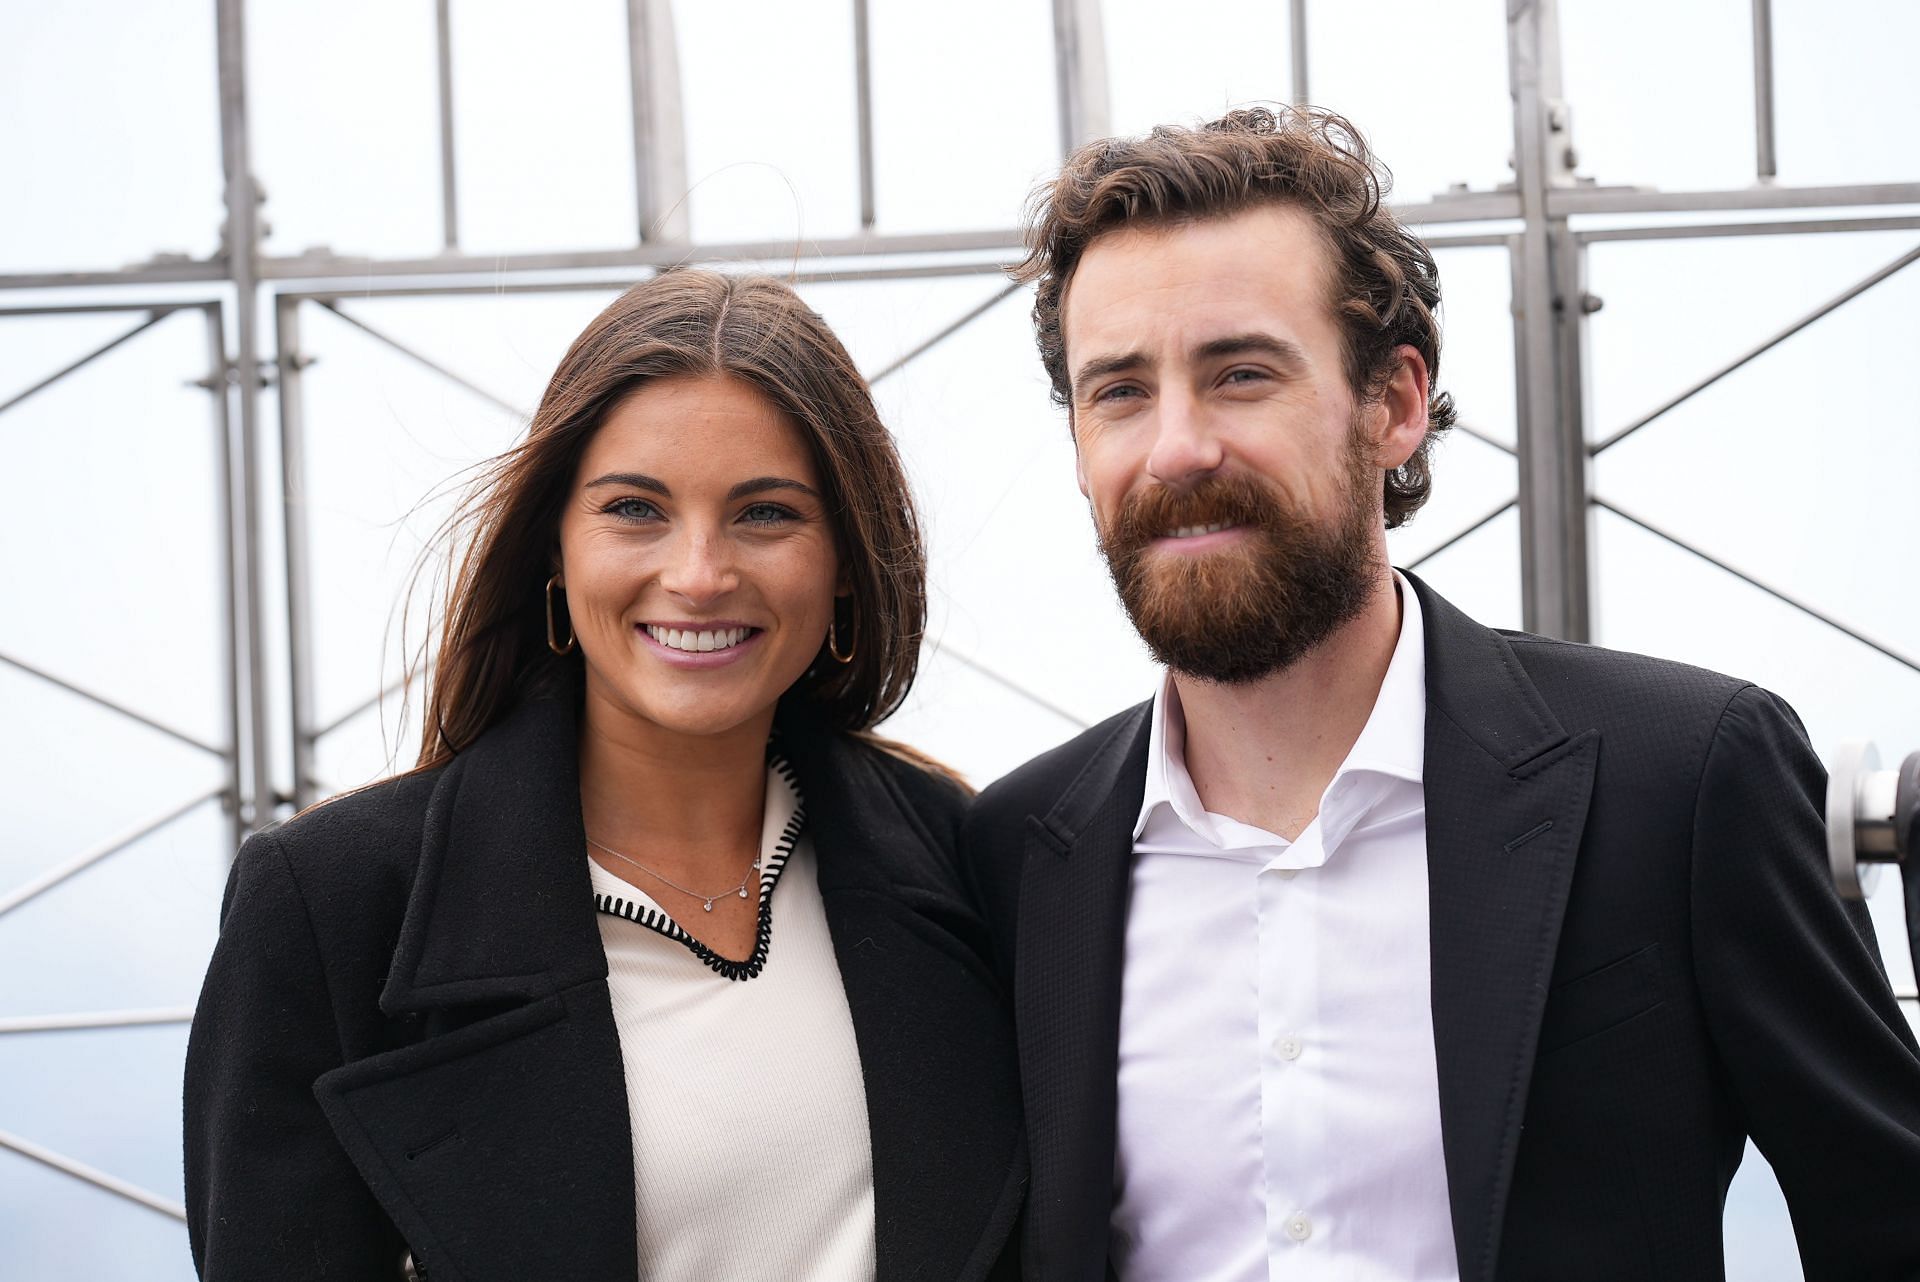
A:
(705, 900)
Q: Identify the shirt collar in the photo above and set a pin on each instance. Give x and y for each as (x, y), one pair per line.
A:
(1391, 744)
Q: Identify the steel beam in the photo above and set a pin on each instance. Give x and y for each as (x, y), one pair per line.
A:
(1907, 661)
(96, 1019)
(1765, 345)
(1553, 500)
(242, 244)
(449, 187)
(1297, 48)
(863, 109)
(157, 314)
(1079, 73)
(659, 123)
(1795, 227)
(945, 332)
(232, 588)
(1766, 165)
(1576, 201)
(91, 1175)
(294, 509)
(87, 858)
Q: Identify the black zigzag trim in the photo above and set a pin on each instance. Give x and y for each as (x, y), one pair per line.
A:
(658, 922)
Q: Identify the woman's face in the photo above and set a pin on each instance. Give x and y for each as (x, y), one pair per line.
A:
(698, 562)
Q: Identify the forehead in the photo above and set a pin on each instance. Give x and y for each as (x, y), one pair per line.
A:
(694, 426)
(1267, 268)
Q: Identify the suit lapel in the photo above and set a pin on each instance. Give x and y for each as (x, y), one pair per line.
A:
(934, 1037)
(498, 1138)
(1072, 930)
(1506, 796)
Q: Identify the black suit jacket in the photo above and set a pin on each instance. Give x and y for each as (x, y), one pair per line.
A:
(1637, 959)
(405, 1040)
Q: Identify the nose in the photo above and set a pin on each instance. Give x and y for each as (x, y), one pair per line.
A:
(701, 569)
(1185, 448)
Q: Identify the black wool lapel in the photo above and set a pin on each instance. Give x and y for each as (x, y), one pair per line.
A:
(1072, 932)
(1506, 796)
(499, 1140)
(929, 1020)
(500, 1150)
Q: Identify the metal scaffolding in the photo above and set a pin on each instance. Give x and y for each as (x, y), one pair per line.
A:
(240, 291)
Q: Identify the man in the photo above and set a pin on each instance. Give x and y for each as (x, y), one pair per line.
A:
(1380, 945)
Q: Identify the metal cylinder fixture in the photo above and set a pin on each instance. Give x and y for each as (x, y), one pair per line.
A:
(1873, 818)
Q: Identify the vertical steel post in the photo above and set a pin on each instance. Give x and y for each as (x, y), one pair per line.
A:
(1297, 22)
(659, 127)
(232, 591)
(449, 191)
(863, 108)
(1552, 452)
(1080, 72)
(294, 515)
(242, 254)
(1766, 165)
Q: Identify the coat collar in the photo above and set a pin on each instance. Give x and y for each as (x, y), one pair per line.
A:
(502, 905)
(1507, 788)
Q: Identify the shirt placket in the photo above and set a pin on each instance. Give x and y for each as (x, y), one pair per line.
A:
(1292, 1137)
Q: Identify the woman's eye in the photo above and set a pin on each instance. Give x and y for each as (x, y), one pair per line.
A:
(632, 509)
(765, 514)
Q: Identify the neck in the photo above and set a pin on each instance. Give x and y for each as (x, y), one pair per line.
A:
(676, 801)
(1264, 751)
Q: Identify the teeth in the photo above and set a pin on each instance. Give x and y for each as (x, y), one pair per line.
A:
(697, 642)
(1195, 531)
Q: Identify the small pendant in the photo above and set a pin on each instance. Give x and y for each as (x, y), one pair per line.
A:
(709, 905)
(743, 890)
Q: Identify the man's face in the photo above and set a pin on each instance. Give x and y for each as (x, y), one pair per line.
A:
(1234, 478)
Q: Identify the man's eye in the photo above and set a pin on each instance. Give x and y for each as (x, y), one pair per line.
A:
(1118, 392)
(632, 509)
(765, 514)
(1244, 376)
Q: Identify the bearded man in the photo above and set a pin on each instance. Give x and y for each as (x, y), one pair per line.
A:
(1379, 944)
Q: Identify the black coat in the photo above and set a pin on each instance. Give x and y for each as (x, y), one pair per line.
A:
(405, 1040)
(1638, 960)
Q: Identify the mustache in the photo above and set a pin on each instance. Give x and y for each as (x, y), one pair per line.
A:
(1150, 513)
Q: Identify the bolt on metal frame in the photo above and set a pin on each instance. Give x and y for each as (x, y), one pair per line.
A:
(1550, 309)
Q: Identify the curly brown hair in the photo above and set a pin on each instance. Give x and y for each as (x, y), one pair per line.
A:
(1385, 285)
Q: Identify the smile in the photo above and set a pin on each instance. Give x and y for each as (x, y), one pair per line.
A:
(1195, 531)
(698, 641)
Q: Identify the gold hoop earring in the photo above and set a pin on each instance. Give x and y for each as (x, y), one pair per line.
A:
(833, 643)
(553, 630)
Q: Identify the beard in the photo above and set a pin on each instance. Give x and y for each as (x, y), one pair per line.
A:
(1248, 611)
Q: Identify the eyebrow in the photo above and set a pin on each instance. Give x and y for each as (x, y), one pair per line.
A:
(1252, 343)
(758, 485)
(761, 484)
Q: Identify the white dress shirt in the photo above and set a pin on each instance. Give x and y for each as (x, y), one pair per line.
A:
(1279, 1111)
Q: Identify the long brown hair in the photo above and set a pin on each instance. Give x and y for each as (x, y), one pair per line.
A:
(493, 650)
(1386, 287)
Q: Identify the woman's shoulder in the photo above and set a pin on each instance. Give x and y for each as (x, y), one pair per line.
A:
(354, 850)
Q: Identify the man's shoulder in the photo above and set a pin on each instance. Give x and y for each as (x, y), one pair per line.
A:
(1595, 684)
(1034, 787)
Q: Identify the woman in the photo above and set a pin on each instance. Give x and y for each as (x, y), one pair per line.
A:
(657, 965)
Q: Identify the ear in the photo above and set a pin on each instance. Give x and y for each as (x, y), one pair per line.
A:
(1402, 409)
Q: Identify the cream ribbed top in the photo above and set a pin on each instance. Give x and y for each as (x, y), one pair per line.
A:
(751, 1153)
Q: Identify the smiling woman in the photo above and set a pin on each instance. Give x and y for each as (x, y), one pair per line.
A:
(519, 1012)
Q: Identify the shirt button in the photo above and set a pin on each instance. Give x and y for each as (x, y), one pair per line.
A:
(1299, 1228)
(1289, 1047)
